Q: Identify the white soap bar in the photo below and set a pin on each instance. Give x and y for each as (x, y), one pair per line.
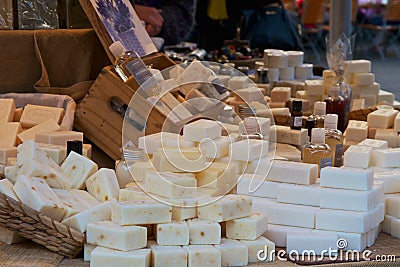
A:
(238, 82)
(216, 148)
(292, 215)
(285, 135)
(374, 144)
(7, 109)
(357, 156)
(9, 132)
(314, 87)
(262, 244)
(397, 123)
(280, 94)
(174, 233)
(347, 178)
(248, 150)
(105, 257)
(87, 251)
(395, 228)
(263, 205)
(354, 241)
(203, 255)
(390, 179)
(385, 97)
(386, 158)
(183, 209)
(286, 74)
(133, 194)
(150, 143)
(10, 237)
(101, 212)
(111, 235)
(260, 166)
(10, 172)
(170, 185)
(6, 188)
(377, 215)
(304, 71)
(140, 212)
(227, 208)
(75, 202)
(393, 205)
(103, 185)
(34, 115)
(318, 242)
(164, 256)
(358, 66)
(278, 233)
(371, 237)
(233, 253)
(299, 194)
(249, 228)
(216, 176)
(273, 74)
(388, 135)
(77, 169)
(201, 129)
(255, 185)
(55, 152)
(387, 224)
(343, 199)
(356, 130)
(362, 78)
(250, 94)
(382, 118)
(342, 221)
(139, 168)
(203, 232)
(7, 152)
(293, 172)
(295, 58)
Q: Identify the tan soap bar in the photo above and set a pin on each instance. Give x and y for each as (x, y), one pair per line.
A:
(382, 118)
(34, 115)
(103, 185)
(77, 169)
(55, 152)
(58, 138)
(9, 132)
(7, 152)
(203, 232)
(140, 212)
(356, 131)
(217, 175)
(280, 94)
(7, 108)
(285, 135)
(111, 235)
(203, 255)
(45, 126)
(18, 114)
(388, 135)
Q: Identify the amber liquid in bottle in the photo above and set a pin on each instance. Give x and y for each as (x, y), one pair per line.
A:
(335, 104)
(317, 152)
(334, 139)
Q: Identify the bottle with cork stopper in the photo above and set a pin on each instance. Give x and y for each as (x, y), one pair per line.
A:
(334, 138)
(296, 118)
(335, 104)
(316, 120)
(318, 152)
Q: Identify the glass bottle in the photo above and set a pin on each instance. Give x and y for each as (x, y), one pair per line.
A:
(335, 104)
(317, 152)
(121, 58)
(319, 114)
(123, 167)
(249, 129)
(334, 139)
(296, 119)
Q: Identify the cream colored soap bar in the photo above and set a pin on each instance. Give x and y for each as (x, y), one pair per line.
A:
(174, 233)
(7, 108)
(260, 244)
(140, 212)
(103, 185)
(233, 253)
(358, 66)
(105, 257)
(170, 185)
(388, 135)
(34, 115)
(374, 144)
(139, 168)
(238, 82)
(9, 132)
(75, 201)
(216, 148)
(77, 169)
(357, 156)
(203, 255)
(248, 150)
(7, 152)
(293, 172)
(87, 251)
(150, 143)
(292, 215)
(183, 209)
(176, 159)
(382, 118)
(227, 208)
(285, 135)
(58, 138)
(203, 232)
(133, 194)
(249, 228)
(299, 194)
(98, 213)
(278, 233)
(165, 256)
(201, 129)
(386, 158)
(356, 130)
(217, 175)
(55, 152)
(45, 126)
(37, 194)
(6, 188)
(111, 235)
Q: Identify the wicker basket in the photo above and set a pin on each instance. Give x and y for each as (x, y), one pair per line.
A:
(39, 228)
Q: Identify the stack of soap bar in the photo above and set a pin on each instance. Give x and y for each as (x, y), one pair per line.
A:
(58, 138)
(249, 228)
(388, 135)
(45, 126)
(318, 242)
(170, 185)
(203, 232)
(386, 158)
(174, 233)
(280, 94)
(34, 115)
(293, 172)
(201, 129)
(278, 233)
(168, 256)
(203, 255)
(299, 194)
(7, 109)
(248, 150)
(103, 185)
(285, 135)
(347, 178)
(9, 132)
(382, 118)
(292, 215)
(356, 130)
(233, 253)
(256, 185)
(106, 257)
(77, 169)
(357, 156)
(101, 212)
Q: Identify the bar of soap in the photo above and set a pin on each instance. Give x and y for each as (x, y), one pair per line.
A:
(387, 224)
(58, 138)
(216, 176)
(216, 148)
(7, 152)
(150, 143)
(260, 244)
(34, 115)
(292, 215)
(87, 251)
(178, 141)
(233, 253)
(140, 212)
(10, 237)
(304, 71)
(36, 193)
(111, 235)
(139, 168)
(342, 221)
(286, 74)
(103, 185)
(295, 58)
(227, 208)
(363, 78)
(280, 94)
(390, 179)
(357, 156)
(256, 185)
(386, 158)
(203, 255)
(382, 118)
(299, 194)
(393, 205)
(318, 242)
(248, 150)
(278, 233)
(165, 256)
(347, 178)
(385, 97)
(259, 166)
(238, 82)
(174, 233)
(356, 130)
(342, 199)
(10, 172)
(395, 228)
(45, 126)
(75, 201)
(374, 143)
(388, 135)
(397, 123)
(18, 114)
(6, 188)
(314, 87)
(183, 209)
(55, 152)
(249, 228)
(101, 212)
(7, 109)
(358, 66)
(250, 94)
(133, 194)
(277, 60)
(174, 159)
(170, 185)
(201, 129)
(285, 135)
(78, 169)
(105, 257)
(9, 132)
(354, 241)
(203, 232)
(293, 172)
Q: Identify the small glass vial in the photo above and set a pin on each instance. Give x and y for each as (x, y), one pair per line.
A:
(317, 152)
(121, 58)
(335, 104)
(296, 119)
(334, 139)
(123, 167)
(249, 129)
(319, 114)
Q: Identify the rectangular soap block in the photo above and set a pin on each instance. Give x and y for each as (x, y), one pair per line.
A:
(354, 241)
(174, 159)
(347, 178)
(238, 82)
(248, 150)
(216, 176)
(387, 224)
(393, 205)
(111, 235)
(78, 169)
(227, 208)
(260, 166)
(363, 78)
(87, 251)
(174, 233)
(10, 237)
(165, 256)
(7, 109)
(140, 212)
(356, 130)
(216, 148)
(256, 185)
(374, 144)
(314, 87)
(357, 156)
(278, 233)
(233, 253)
(150, 143)
(103, 185)
(9, 132)
(386, 158)
(179, 141)
(55, 152)
(293, 172)
(299, 194)
(395, 228)
(385, 97)
(377, 215)
(45, 126)
(250, 94)
(342, 221)
(105, 257)
(7, 152)
(358, 66)
(139, 168)
(388, 135)
(261, 243)
(75, 202)
(35, 114)
(390, 179)
(6, 188)
(201, 129)
(318, 242)
(263, 205)
(280, 94)
(292, 215)
(285, 135)
(343, 199)
(382, 118)
(133, 194)
(203, 255)
(203, 232)
(249, 228)
(186, 208)
(58, 138)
